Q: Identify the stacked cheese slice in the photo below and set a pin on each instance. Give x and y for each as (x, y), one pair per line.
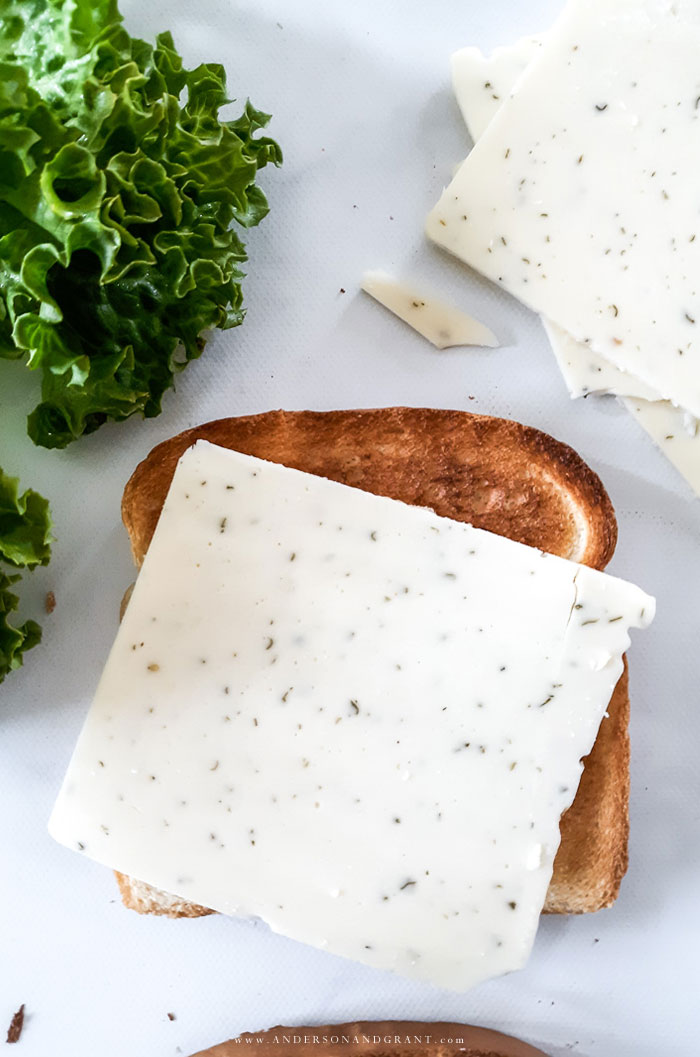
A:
(581, 199)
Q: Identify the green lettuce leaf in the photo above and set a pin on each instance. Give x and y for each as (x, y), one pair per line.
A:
(117, 210)
(25, 542)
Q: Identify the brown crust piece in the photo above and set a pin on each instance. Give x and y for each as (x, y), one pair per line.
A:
(16, 1024)
(382, 1038)
(145, 899)
(592, 857)
(497, 474)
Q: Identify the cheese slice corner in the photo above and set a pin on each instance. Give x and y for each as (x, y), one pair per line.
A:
(482, 82)
(585, 371)
(674, 431)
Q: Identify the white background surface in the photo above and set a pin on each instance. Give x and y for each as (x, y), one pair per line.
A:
(363, 109)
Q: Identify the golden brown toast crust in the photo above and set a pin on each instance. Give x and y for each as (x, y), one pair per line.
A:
(400, 1038)
(497, 474)
(592, 857)
(145, 899)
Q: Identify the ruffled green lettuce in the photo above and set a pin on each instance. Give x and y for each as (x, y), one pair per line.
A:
(25, 542)
(119, 186)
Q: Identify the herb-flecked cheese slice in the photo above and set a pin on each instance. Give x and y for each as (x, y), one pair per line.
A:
(674, 431)
(481, 84)
(581, 199)
(347, 716)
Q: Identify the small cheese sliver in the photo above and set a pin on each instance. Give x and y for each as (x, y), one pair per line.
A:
(581, 198)
(442, 324)
(347, 716)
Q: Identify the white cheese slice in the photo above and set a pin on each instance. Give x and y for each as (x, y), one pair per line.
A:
(350, 717)
(581, 198)
(482, 82)
(675, 432)
(441, 324)
(584, 371)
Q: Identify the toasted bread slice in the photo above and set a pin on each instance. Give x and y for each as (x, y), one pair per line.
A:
(401, 1038)
(496, 474)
